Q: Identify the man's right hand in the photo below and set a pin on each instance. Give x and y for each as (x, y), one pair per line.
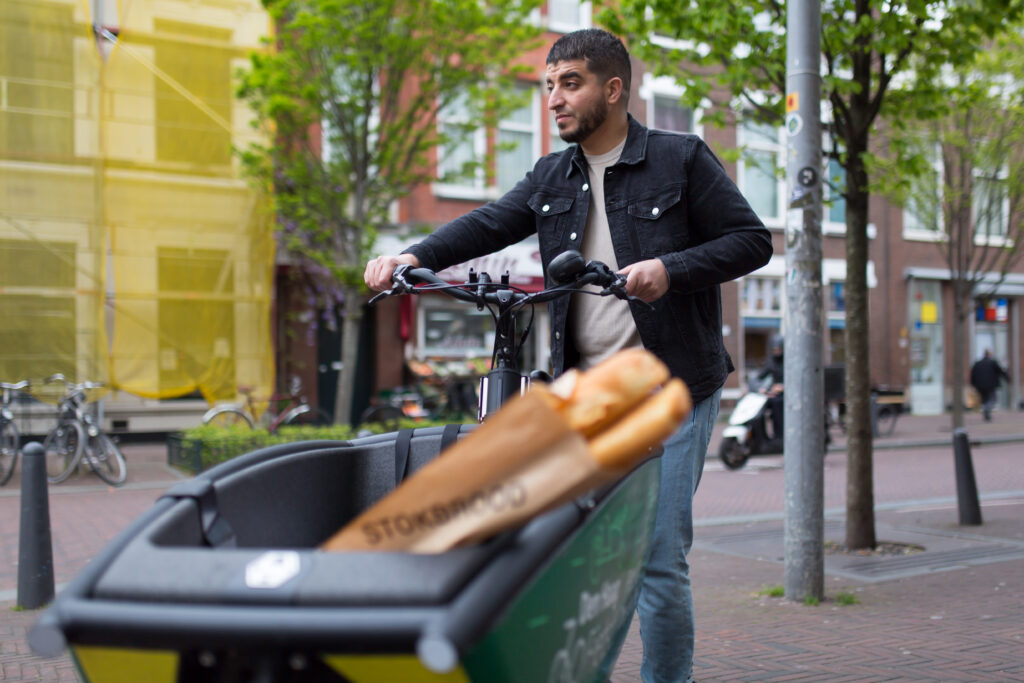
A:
(377, 275)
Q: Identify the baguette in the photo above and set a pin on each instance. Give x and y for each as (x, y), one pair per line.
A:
(646, 426)
(531, 455)
(609, 390)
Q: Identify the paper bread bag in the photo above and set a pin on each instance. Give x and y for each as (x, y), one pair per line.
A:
(541, 449)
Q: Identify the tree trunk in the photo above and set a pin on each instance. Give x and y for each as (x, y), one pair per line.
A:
(860, 507)
(349, 355)
(959, 349)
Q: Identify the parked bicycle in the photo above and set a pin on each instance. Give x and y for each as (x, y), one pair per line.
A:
(569, 272)
(10, 439)
(78, 436)
(291, 408)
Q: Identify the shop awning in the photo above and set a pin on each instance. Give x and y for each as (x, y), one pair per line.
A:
(521, 260)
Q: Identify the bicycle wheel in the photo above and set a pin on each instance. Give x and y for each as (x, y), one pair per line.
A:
(106, 459)
(314, 417)
(9, 442)
(63, 447)
(227, 417)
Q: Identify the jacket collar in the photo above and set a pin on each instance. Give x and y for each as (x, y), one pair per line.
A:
(634, 152)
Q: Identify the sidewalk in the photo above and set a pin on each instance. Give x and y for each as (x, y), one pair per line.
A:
(952, 612)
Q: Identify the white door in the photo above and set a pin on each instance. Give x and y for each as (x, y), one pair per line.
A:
(926, 354)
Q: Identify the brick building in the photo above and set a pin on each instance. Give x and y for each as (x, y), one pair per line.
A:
(909, 293)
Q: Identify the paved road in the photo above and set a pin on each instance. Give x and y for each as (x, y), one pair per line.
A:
(954, 612)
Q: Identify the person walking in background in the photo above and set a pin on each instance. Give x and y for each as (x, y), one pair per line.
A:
(774, 369)
(659, 208)
(986, 375)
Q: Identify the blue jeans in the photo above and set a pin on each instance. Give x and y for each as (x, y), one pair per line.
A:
(666, 603)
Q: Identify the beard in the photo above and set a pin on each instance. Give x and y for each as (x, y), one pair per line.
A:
(586, 123)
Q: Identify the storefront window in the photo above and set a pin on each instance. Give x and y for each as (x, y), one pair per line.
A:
(449, 330)
(455, 331)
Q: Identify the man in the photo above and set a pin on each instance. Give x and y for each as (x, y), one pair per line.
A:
(659, 207)
(986, 375)
(774, 369)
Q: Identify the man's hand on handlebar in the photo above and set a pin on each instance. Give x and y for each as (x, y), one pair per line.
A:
(646, 280)
(378, 271)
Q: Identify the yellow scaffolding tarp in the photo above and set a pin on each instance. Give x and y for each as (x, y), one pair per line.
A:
(133, 251)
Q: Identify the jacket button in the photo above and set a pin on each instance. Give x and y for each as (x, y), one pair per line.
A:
(572, 236)
(558, 335)
(655, 211)
(586, 186)
(545, 208)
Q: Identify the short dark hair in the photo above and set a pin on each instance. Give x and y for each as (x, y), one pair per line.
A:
(603, 52)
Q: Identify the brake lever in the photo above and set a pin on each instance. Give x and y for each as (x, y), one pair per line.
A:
(401, 286)
(618, 289)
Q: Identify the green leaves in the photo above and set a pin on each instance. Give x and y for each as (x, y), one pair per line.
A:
(349, 96)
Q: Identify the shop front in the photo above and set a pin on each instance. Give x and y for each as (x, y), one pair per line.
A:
(994, 326)
(450, 342)
(994, 331)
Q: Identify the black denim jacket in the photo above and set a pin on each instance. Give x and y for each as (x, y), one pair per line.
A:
(668, 197)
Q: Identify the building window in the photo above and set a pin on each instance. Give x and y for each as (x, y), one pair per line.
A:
(568, 15)
(664, 109)
(195, 285)
(37, 76)
(762, 296)
(835, 188)
(518, 143)
(667, 113)
(199, 59)
(557, 143)
(759, 170)
(837, 297)
(461, 153)
(922, 210)
(992, 310)
(38, 283)
(989, 205)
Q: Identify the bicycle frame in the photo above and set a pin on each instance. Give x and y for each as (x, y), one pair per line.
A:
(272, 417)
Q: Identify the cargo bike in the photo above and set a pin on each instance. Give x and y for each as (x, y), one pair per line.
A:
(222, 579)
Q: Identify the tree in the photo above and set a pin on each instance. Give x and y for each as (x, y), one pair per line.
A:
(350, 94)
(961, 175)
(734, 54)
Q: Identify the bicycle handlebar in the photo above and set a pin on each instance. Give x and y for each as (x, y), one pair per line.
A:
(569, 271)
(72, 387)
(481, 290)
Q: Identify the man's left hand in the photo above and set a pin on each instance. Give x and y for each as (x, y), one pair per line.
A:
(646, 280)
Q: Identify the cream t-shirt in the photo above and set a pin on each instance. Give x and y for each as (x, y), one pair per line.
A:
(601, 325)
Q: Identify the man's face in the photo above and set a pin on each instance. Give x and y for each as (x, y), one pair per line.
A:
(576, 97)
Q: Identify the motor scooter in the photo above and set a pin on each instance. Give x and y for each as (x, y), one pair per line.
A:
(749, 431)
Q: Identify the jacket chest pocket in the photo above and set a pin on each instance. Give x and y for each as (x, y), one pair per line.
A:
(659, 220)
(552, 214)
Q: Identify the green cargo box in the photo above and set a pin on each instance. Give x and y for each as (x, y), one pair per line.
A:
(222, 581)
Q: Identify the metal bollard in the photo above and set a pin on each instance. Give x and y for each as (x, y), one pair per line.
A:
(874, 416)
(35, 549)
(966, 488)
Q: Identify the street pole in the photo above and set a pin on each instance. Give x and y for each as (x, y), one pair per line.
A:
(804, 398)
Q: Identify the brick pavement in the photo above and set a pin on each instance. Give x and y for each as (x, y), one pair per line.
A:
(962, 624)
